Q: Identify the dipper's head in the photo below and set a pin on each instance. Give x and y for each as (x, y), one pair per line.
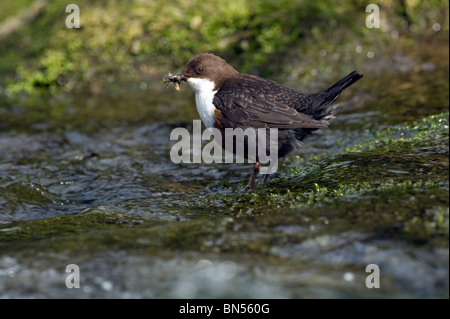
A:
(205, 70)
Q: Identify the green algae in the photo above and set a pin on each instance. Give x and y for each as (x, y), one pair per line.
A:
(87, 232)
(394, 184)
(395, 180)
(402, 212)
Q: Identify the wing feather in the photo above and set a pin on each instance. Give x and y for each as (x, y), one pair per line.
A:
(245, 104)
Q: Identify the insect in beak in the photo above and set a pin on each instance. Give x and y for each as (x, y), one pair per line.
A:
(176, 79)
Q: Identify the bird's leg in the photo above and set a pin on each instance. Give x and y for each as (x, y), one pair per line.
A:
(252, 178)
(265, 178)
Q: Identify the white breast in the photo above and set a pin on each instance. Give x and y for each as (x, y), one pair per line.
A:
(204, 95)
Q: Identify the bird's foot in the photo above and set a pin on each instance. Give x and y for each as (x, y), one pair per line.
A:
(253, 177)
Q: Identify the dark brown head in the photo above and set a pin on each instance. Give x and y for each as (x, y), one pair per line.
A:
(207, 66)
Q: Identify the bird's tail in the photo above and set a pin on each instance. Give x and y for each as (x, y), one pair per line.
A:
(321, 107)
(324, 110)
(334, 90)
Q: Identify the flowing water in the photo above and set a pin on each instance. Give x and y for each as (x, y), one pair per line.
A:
(89, 181)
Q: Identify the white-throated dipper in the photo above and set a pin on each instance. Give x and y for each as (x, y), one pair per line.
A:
(226, 98)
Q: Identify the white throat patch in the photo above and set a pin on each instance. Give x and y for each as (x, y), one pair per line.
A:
(204, 95)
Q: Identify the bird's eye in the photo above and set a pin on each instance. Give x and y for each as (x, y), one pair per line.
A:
(200, 69)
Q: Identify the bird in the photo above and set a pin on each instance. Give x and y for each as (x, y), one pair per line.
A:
(228, 99)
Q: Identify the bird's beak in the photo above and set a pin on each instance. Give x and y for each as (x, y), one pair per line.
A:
(176, 78)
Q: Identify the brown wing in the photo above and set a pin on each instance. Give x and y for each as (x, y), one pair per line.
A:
(251, 107)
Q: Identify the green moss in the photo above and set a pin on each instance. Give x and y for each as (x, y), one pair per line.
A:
(380, 156)
(10, 9)
(89, 231)
(24, 232)
(395, 183)
(127, 42)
